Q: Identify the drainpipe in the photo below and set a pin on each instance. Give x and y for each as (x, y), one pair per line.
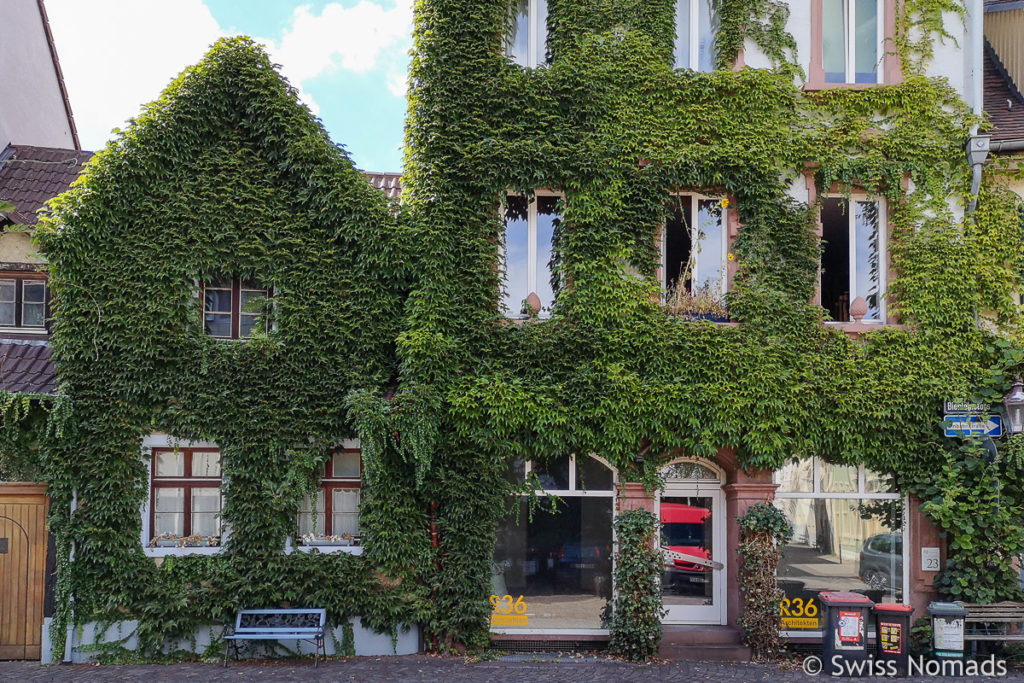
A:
(69, 639)
(977, 145)
(977, 152)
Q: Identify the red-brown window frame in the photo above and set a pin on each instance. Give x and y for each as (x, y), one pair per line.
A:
(329, 482)
(236, 305)
(186, 482)
(20, 278)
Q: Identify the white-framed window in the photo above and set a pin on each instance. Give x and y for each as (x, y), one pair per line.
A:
(336, 521)
(23, 303)
(852, 40)
(555, 560)
(234, 308)
(695, 246)
(695, 35)
(848, 535)
(853, 256)
(529, 230)
(526, 43)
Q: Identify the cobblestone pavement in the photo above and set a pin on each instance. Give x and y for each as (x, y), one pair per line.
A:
(424, 668)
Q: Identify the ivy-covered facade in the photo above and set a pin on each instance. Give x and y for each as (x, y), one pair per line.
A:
(492, 385)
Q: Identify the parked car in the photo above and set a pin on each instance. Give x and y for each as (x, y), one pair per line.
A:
(881, 562)
(683, 529)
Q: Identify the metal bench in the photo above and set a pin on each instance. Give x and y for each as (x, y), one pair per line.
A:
(279, 624)
(992, 622)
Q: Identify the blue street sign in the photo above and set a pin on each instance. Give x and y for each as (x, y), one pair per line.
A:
(972, 425)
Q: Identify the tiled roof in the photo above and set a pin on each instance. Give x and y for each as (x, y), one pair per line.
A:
(25, 366)
(1003, 104)
(1003, 5)
(388, 183)
(29, 176)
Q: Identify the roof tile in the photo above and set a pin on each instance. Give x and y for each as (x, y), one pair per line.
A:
(34, 175)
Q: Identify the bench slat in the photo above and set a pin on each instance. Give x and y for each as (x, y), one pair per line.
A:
(1015, 637)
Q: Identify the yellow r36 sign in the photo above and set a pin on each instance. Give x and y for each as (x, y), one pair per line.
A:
(799, 613)
(508, 611)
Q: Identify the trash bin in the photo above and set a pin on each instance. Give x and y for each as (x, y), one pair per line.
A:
(892, 635)
(947, 629)
(845, 638)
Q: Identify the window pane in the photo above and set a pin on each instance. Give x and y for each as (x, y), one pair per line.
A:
(592, 475)
(547, 220)
(218, 300)
(169, 499)
(560, 562)
(541, 55)
(6, 313)
(218, 324)
(682, 45)
(346, 465)
(33, 292)
(33, 315)
(866, 49)
(169, 523)
(205, 464)
(868, 258)
(205, 511)
(7, 289)
(833, 40)
(251, 323)
(840, 545)
(678, 244)
(705, 36)
(306, 516)
(710, 256)
(837, 478)
(795, 477)
(554, 475)
(516, 254)
(170, 464)
(687, 528)
(835, 258)
(517, 46)
(877, 482)
(253, 301)
(346, 512)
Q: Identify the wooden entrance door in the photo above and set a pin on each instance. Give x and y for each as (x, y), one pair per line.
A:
(22, 569)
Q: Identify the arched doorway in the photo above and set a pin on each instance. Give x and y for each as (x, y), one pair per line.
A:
(692, 512)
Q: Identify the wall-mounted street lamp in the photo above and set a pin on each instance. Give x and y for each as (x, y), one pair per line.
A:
(1014, 404)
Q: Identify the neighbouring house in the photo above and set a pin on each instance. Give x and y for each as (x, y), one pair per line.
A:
(677, 257)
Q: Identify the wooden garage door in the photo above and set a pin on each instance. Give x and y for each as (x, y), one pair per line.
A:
(22, 569)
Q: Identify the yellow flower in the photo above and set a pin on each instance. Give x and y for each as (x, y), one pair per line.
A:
(725, 203)
(731, 257)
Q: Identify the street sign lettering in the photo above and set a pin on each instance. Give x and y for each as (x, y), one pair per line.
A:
(972, 425)
(965, 408)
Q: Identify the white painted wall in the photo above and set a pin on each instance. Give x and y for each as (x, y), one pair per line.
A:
(31, 107)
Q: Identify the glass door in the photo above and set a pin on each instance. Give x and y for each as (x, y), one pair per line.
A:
(692, 534)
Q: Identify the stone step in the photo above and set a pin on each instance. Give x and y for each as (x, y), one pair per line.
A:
(705, 653)
(703, 634)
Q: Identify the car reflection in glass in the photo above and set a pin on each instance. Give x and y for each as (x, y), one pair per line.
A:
(683, 530)
(881, 562)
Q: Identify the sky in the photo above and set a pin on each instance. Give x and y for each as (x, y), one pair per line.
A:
(348, 59)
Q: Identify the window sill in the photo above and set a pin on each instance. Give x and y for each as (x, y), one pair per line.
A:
(816, 87)
(331, 549)
(855, 328)
(9, 329)
(179, 551)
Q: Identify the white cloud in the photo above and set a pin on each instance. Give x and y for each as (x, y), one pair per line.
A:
(117, 55)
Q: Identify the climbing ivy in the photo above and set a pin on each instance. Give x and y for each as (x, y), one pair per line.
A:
(386, 324)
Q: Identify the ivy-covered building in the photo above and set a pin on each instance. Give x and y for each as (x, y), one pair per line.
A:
(654, 262)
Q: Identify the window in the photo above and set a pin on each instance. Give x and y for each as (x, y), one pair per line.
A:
(853, 257)
(848, 535)
(852, 40)
(336, 520)
(559, 557)
(695, 246)
(695, 35)
(529, 231)
(234, 308)
(23, 303)
(526, 45)
(186, 496)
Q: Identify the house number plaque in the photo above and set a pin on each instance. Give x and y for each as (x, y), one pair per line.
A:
(3, 546)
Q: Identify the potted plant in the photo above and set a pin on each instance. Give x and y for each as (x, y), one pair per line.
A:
(699, 304)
